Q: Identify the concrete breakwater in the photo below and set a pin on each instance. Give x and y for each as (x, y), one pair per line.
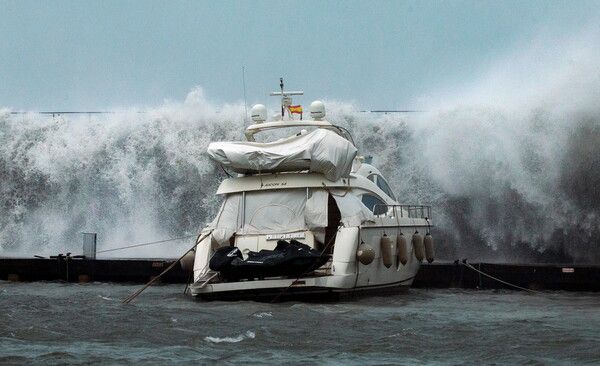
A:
(82, 270)
(458, 274)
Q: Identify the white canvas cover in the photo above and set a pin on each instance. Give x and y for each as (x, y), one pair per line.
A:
(227, 221)
(320, 151)
(315, 212)
(353, 212)
(260, 212)
(282, 211)
(274, 211)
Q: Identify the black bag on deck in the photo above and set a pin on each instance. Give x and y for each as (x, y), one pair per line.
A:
(287, 259)
(223, 257)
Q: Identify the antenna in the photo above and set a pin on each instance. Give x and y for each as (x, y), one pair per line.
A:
(281, 86)
(245, 102)
(286, 99)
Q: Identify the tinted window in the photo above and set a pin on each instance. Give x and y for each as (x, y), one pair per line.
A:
(381, 183)
(371, 202)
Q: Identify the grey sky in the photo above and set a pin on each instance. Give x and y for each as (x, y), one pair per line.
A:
(95, 55)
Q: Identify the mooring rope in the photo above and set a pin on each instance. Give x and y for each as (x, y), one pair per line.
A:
(134, 295)
(468, 265)
(144, 244)
(357, 264)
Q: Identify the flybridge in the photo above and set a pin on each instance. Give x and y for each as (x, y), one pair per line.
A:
(317, 113)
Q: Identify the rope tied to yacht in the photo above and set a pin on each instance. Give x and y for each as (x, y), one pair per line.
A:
(346, 190)
(468, 265)
(134, 295)
(144, 244)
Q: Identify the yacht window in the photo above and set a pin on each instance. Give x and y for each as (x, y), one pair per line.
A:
(382, 184)
(373, 203)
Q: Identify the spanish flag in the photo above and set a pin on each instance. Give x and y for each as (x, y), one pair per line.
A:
(296, 109)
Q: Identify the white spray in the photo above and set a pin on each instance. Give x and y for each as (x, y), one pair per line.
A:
(509, 162)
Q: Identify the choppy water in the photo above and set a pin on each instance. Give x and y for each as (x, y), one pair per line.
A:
(81, 324)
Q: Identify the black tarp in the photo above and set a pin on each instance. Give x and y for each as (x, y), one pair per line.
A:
(291, 259)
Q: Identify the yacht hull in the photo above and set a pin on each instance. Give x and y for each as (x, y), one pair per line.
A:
(296, 290)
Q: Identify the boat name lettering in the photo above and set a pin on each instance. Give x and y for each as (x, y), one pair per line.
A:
(275, 184)
(286, 236)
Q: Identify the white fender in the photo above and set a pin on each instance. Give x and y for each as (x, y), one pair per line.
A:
(417, 241)
(187, 262)
(429, 247)
(402, 249)
(386, 251)
(365, 254)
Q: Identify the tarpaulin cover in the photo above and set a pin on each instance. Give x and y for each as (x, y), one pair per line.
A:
(282, 211)
(319, 151)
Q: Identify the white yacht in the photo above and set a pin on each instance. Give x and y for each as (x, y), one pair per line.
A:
(306, 217)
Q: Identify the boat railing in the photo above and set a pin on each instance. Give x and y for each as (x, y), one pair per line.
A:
(408, 211)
